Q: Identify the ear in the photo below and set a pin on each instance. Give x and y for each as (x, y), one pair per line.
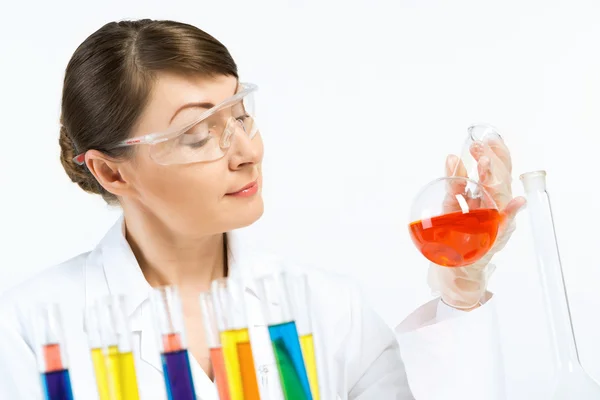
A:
(107, 172)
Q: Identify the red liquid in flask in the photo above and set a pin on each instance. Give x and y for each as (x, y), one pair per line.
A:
(456, 239)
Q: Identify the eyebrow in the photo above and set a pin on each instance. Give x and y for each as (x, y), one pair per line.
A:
(190, 105)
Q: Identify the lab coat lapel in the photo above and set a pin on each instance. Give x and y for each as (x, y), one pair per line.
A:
(112, 268)
(149, 350)
(123, 273)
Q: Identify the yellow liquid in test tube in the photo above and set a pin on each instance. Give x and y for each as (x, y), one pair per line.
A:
(101, 374)
(129, 385)
(114, 377)
(308, 352)
(122, 377)
(239, 365)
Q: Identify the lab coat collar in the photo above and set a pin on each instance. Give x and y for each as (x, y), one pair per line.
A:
(111, 268)
(121, 269)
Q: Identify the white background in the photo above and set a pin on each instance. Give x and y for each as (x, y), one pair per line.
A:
(359, 105)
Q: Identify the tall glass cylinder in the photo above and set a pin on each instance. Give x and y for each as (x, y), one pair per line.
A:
(570, 380)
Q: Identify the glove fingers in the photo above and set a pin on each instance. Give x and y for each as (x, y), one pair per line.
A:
(499, 165)
(494, 149)
(455, 187)
(514, 206)
(493, 172)
(502, 152)
(496, 187)
(451, 166)
(484, 169)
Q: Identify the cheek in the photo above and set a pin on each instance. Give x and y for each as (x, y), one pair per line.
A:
(192, 190)
(259, 145)
(194, 187)
(201, 186)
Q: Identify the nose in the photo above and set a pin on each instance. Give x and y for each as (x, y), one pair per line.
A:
(244, 151)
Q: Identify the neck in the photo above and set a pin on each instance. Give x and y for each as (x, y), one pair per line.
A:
(167, 257)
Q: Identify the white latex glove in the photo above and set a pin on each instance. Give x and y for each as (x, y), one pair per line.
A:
(464, 287)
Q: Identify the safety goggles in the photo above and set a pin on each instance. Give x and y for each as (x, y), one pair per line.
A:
(207, 137)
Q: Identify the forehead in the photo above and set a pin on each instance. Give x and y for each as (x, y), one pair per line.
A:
(171, 91)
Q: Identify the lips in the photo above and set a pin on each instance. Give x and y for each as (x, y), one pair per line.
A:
(246, 191)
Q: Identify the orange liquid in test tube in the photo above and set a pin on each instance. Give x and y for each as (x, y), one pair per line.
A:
(218, 364)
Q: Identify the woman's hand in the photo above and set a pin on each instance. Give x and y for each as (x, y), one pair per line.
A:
(464, 287)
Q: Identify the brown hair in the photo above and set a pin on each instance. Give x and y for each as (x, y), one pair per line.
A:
(109, 78)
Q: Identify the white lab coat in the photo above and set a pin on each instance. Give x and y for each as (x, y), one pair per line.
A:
(437, 353)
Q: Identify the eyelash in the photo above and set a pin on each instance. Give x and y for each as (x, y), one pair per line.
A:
(199, 144)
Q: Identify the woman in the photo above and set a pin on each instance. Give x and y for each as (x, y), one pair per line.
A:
(156, 120)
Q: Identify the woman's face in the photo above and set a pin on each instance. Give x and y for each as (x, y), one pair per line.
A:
(199, 198)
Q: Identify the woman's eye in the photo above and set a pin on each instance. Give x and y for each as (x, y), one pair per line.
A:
(242, 118)
(198, 143)
(195, 138)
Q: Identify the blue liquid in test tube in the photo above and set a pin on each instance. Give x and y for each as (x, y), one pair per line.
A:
(290, 361)
(57, 385)
(178, 376)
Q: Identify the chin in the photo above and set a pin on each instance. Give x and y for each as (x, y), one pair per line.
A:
(247, 216)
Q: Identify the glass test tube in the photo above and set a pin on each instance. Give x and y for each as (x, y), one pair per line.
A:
(297, 289)
(278, 310)
(214, 344)
(99, 360)
(116, 350)
(229, 305)
(168, 316)
(51, 353)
